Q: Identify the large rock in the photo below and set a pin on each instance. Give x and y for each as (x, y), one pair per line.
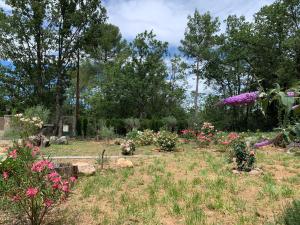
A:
(53, 139)
(63, 140)
(124, 163)
(85, 168)
(45, 142)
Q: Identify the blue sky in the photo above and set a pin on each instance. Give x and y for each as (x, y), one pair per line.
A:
(168, 18)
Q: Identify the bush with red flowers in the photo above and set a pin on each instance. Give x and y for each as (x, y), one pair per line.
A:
(30, 184)
(187, 135)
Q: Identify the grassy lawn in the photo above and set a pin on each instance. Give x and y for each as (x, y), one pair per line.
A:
(193, 187)
(91, 148)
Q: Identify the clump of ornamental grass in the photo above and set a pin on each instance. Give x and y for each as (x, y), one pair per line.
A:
(291, 214)
(30, 185)
(166, 141)
(128, 147)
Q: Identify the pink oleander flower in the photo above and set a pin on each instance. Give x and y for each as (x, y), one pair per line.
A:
(242, 99)
(295, 107)
(35, 151)
(39, 166)
(73, 179)
(56, 186)
(65, 186)
(262, 143)
(32, 192)
(13, 154)
(16, 198)
(56, 179)
(225, 142)
(29, 145)
(53, 174)
(5, 175)
(233, 136)
(48, 202)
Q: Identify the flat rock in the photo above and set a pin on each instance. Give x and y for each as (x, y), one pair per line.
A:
(124, 163)
(256, 171)
(85, 168)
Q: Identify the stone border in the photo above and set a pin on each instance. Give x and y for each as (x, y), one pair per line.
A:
(109, 156)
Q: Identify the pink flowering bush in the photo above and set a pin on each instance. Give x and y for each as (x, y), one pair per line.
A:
(187, 135)
(30, 185)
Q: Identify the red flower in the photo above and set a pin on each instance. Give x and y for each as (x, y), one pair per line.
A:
(48, 203)
(39, 166)
(13, 154)
(35, 151)
(29, 145)
(16, 198)
(56, 186)
(73, 179)
(5, 175)
(32, 192)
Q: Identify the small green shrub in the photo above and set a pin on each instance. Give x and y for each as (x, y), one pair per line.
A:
(132, 134)
(291, 214)
(22, 126)
(166, 141)
(38, 111)
(107, 133)
(169, 123)
(245, 158)
(132, 123)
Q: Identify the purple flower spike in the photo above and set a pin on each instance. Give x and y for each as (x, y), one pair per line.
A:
(291, 94)
(295, 107)
(242, 99)
(262, 143)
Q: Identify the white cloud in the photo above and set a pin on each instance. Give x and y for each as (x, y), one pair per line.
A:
(4, 6)
(168, 18)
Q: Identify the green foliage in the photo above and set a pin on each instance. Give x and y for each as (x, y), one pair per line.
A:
(38, 111)
(166, 141)
(291, 215)
(245, 158)
(132, 135)
(22, 126)
(132, 123)
(107, 133)
(30, 184)
(169, 123)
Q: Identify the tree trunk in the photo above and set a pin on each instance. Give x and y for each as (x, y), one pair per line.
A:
(77, 108)
(197, 87)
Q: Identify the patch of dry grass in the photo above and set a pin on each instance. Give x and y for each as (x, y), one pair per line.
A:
(195, 186)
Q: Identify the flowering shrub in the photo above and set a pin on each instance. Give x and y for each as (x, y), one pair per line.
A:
(242, 99)
(206, 134)
(262, 143)
(30, 184)
(188, 134)
(145, 138)
(166, 140)
(128, 147)
(245, 158)
(26, 126)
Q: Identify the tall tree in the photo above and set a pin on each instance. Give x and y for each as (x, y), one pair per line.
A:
(71, 21)
(199, 38)
(25, 42)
